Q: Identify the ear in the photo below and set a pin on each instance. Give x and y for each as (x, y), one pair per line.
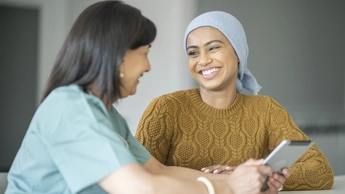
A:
(121, 68)
(121, 71)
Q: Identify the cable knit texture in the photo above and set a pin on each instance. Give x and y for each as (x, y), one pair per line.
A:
(179, 129)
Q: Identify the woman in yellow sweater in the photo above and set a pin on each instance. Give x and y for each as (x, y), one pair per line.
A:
(216, 124)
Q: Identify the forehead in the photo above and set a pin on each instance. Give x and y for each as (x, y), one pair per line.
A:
(205, 34)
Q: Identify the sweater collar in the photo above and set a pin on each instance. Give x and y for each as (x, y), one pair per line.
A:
(201, 106)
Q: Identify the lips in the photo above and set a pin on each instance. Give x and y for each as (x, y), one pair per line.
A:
(209, 71)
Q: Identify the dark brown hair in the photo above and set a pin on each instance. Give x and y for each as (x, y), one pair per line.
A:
(94, 48)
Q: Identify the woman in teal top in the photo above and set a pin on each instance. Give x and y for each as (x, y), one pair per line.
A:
(73, 142)
(78, 143)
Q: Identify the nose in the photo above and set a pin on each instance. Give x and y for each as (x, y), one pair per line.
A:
(204, 59)
(148, 68)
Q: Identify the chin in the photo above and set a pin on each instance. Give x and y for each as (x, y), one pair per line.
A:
(124, 96)
(210, 86)
(133, 92)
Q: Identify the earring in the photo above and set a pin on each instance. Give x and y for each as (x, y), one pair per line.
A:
(122, 75)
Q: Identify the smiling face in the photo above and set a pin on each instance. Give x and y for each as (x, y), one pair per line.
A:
(135, 63)
(212, 60)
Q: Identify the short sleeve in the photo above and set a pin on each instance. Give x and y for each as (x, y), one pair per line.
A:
(137, 149)
(84, 146)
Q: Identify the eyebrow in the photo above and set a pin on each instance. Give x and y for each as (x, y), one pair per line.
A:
(207, 43)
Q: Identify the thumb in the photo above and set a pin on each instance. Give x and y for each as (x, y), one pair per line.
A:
(253, 162)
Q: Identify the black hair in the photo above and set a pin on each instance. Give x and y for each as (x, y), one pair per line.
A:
(94, 48)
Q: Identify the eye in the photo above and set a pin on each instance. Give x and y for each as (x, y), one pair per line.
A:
(214, 48)
(192, 53)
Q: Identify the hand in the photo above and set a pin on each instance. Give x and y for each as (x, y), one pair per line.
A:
(275, 181)
(248, 177)
(219, 169)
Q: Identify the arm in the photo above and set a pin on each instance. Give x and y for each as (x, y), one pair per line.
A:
(234, 180)
(247, 178)
(312, 171)
(143, 182)
(155, 167)
(153, 130)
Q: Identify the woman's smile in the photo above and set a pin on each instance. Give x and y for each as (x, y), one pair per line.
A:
(209, 73)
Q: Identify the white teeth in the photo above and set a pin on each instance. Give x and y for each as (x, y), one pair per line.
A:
(208, 72)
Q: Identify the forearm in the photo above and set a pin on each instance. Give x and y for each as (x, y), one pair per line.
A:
(171, 185)
(191, 174)
(309, 178)
(311, 173)
(133, 178)
(155, 167)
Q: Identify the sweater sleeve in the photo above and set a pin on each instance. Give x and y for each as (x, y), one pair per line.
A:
(154, 130)
(312, 171)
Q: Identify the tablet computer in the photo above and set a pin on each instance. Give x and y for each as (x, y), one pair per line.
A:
(285, 155)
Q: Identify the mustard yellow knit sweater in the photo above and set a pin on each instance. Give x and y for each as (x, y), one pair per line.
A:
(179, 129)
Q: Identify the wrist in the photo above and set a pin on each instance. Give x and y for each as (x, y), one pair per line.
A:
(207, 183)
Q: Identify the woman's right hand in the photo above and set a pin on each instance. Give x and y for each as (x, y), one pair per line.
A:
(219, 169)
(248, 177)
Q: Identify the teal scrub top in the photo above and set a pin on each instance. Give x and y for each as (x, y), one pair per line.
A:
(72, 143)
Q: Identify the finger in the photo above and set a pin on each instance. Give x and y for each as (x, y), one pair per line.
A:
(272, 188)
(286, 172)
(223, 168)
(230, 168)
(216, 169)
(206, 170)
(278, 177)
(210, 168)
(275, 184)
(227, 172)
(265, 170)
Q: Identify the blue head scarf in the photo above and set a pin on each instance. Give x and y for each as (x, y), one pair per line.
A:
(234, 32)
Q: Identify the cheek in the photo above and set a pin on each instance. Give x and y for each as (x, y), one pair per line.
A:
(191, 65)
(231, 61)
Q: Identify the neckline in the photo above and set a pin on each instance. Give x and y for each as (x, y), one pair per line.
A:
(210, 111)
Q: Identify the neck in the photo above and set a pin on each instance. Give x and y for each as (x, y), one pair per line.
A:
(218, 99)
(97, 94)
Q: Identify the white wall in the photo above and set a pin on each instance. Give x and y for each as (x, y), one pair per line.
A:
(169, 70)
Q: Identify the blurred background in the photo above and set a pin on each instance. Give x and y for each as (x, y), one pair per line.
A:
(296, 52)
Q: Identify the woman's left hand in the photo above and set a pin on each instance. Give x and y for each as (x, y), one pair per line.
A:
(275, 182)
(219, 169)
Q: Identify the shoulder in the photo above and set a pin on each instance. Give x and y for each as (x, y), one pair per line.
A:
(259, 101)
(179, 97)
(178, 94)
(72, 96)
(70, 111)
(255, 99)
(70, 102)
